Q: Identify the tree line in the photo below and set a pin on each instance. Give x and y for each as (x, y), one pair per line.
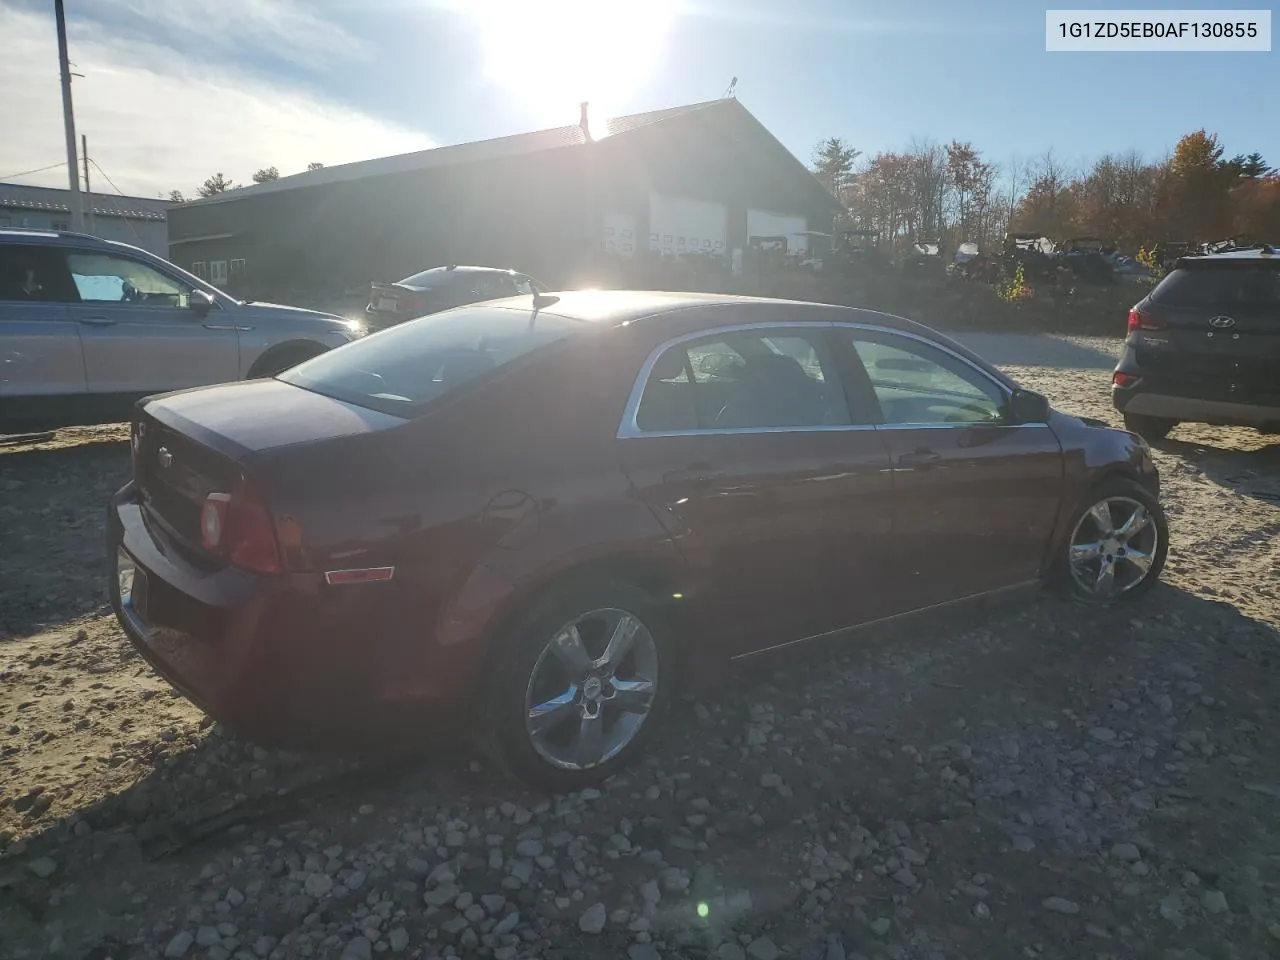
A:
(954, 193)
(219, 183)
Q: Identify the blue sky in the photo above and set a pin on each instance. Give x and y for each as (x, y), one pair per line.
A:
(175, 90)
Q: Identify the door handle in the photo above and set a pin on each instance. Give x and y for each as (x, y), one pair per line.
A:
(695, 473)
(97, 321)
(921, 459)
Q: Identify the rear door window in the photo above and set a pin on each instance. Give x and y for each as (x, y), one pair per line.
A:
(402, 369)
(492, 286)
(31, 273)
(743, 380)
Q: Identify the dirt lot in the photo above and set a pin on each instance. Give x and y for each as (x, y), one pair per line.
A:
(1045, 781)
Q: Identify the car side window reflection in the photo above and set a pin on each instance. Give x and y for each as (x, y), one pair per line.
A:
(741, 381)
(917, 384)
(102, 278)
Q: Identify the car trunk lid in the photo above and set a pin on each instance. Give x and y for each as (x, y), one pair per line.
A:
(187, 445)
(401, 299)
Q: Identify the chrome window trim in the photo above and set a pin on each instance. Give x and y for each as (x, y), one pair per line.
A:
(629, 429)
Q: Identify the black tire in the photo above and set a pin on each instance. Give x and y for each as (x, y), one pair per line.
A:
(1151, 429)
(1069, 584)
(522, 649)
(275, 362)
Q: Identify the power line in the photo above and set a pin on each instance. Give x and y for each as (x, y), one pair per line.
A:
(24, 173)
(132, 228)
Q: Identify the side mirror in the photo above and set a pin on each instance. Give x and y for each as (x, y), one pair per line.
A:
(200, 302)
(1026, 406)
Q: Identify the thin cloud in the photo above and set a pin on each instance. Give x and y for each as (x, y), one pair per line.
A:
(159, 120)
(787, 19)
(280, 29)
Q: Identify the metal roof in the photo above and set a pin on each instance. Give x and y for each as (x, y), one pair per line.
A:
(462, 153)
(21, 196)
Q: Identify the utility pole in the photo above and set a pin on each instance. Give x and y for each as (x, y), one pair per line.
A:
(88, 191)
(68, 117)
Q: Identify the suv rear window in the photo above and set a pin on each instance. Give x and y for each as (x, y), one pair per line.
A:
(1221, 285)
(400, 370)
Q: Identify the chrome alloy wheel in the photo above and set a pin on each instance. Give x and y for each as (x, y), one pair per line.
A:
(1113, 547)
(591, 689)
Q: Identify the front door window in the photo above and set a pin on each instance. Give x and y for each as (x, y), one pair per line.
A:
(916, 384)
(105, 278)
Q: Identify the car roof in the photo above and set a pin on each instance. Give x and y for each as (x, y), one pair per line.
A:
(615, 307)
(611, 308)
(1258, 254)
(461, 268)
(61, 238)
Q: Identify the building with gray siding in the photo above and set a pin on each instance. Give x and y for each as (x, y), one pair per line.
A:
(691, 182)
(141, 221)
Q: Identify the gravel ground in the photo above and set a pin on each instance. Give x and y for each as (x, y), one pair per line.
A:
(1047, 780)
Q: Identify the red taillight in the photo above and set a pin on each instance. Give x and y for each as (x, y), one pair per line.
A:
(1139, 320)
(411, 305)
(1124, 379)
(213, 521)
(239, 527)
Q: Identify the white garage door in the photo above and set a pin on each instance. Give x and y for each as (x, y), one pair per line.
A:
(762, 223)
(678, 225)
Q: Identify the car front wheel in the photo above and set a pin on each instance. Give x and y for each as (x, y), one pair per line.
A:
(584, 682)
(1117, 545)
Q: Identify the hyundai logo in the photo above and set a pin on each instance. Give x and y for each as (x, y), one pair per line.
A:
(1222, 323)
(165, 457)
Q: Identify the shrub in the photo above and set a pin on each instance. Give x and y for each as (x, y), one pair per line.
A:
(1017, 288)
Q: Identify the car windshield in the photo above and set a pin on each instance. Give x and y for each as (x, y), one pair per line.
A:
(1221, 286)
(404, 368)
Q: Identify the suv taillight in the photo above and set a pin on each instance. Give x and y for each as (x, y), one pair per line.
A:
(238, 527)
(1138, 320)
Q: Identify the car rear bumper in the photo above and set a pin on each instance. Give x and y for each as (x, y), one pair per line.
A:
(1192, 409)
(277, 658)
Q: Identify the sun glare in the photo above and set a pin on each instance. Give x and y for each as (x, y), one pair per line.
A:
(556, 53)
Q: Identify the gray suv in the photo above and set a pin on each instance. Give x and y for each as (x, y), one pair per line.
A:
(88, 326)
(1204, 347)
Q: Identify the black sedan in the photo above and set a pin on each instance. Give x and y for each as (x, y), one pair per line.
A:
(442, 288)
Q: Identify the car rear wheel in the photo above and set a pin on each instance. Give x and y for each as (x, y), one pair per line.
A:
(582, 686)
(1150, 429)
(1117, 545)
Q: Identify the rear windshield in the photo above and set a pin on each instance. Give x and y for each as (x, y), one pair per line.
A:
(1221, 286)
(405, 367)
(432, 279)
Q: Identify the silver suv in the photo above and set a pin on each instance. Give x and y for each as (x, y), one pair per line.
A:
(88, 326)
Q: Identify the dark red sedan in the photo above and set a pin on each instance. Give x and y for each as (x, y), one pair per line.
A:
(534, 517)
